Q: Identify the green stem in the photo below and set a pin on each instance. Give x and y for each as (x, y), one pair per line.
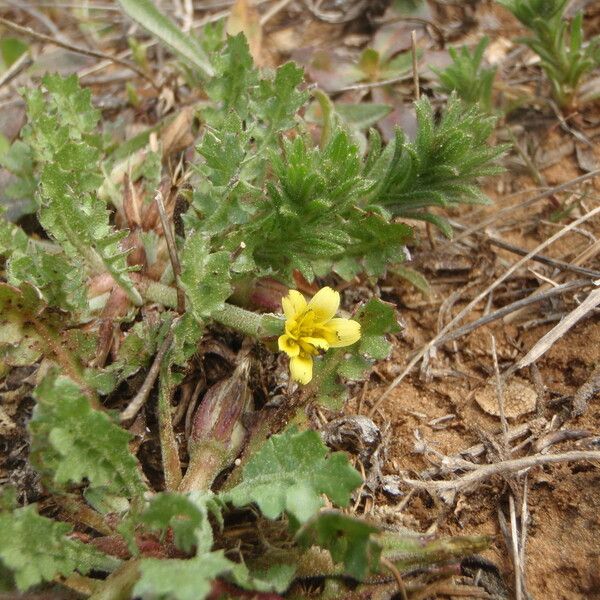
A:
(168, 443)
(119, 585)
(206, 462)
(153, 291)
(246, 321)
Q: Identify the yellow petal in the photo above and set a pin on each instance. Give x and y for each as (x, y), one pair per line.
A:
(324, 304)
(293, 304)
(301, 368)
(317, 342)
(342, 332)
(288, 345)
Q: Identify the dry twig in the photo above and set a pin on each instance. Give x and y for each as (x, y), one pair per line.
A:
(585, 392)
(514, 306)
(485, 472)
(140, 398)
(547, 341)
(503, 212)
(78, 49)
(172, 248)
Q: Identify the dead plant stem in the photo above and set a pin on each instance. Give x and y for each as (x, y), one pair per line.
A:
(514, 534)
(142, 396)
(483, 223)
(78, 49)
(484, 472)
(172, 248)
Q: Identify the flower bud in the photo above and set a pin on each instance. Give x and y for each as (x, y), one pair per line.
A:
(217, 433)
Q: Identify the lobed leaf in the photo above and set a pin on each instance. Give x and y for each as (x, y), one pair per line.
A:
(187, 516)
(74, 443)
(174, 579)
(349, 540)
(36, 549)
(289, 474)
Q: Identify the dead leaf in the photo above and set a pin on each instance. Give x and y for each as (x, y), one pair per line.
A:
(586, 158)
(177, 135)
(518, 394)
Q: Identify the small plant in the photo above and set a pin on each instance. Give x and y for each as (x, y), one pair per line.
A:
(99, 294)
(466, 76)
(565, 57)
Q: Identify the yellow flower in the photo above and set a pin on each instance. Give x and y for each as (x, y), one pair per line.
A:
(310, 327)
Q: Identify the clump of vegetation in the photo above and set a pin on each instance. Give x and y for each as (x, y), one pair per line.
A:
(467, 76)
(102, 291)
(566, 57)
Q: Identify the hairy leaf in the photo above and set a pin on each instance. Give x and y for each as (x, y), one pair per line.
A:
(205, 276)
(74, 442)
(62, 133)
(349, 540)
(187, 516)
(290, 472)
(37, 549)
(173, 579)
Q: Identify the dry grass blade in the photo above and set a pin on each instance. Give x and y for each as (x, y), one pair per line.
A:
(514, 306)
(172, 248)
(140, 398)
(546, 342)
(508, 210)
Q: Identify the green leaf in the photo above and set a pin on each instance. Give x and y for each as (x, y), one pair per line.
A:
(173, 579)
(290, 472)
(377, 318)
(73, 442)
(279, 101)
(440, 167)
(12, 237)
(188, 47)
(235, 77)
(11, 49)
(349, 541)
(20, 342)
(186, 335)
(223, 151)
(362, 116)
(61, 283)
(205, 276)
(275, 578)
(62, 134)
(355, 367)
(414, 277)
(37, 549)
(467, 77)
(136, 350)
(187, 516)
